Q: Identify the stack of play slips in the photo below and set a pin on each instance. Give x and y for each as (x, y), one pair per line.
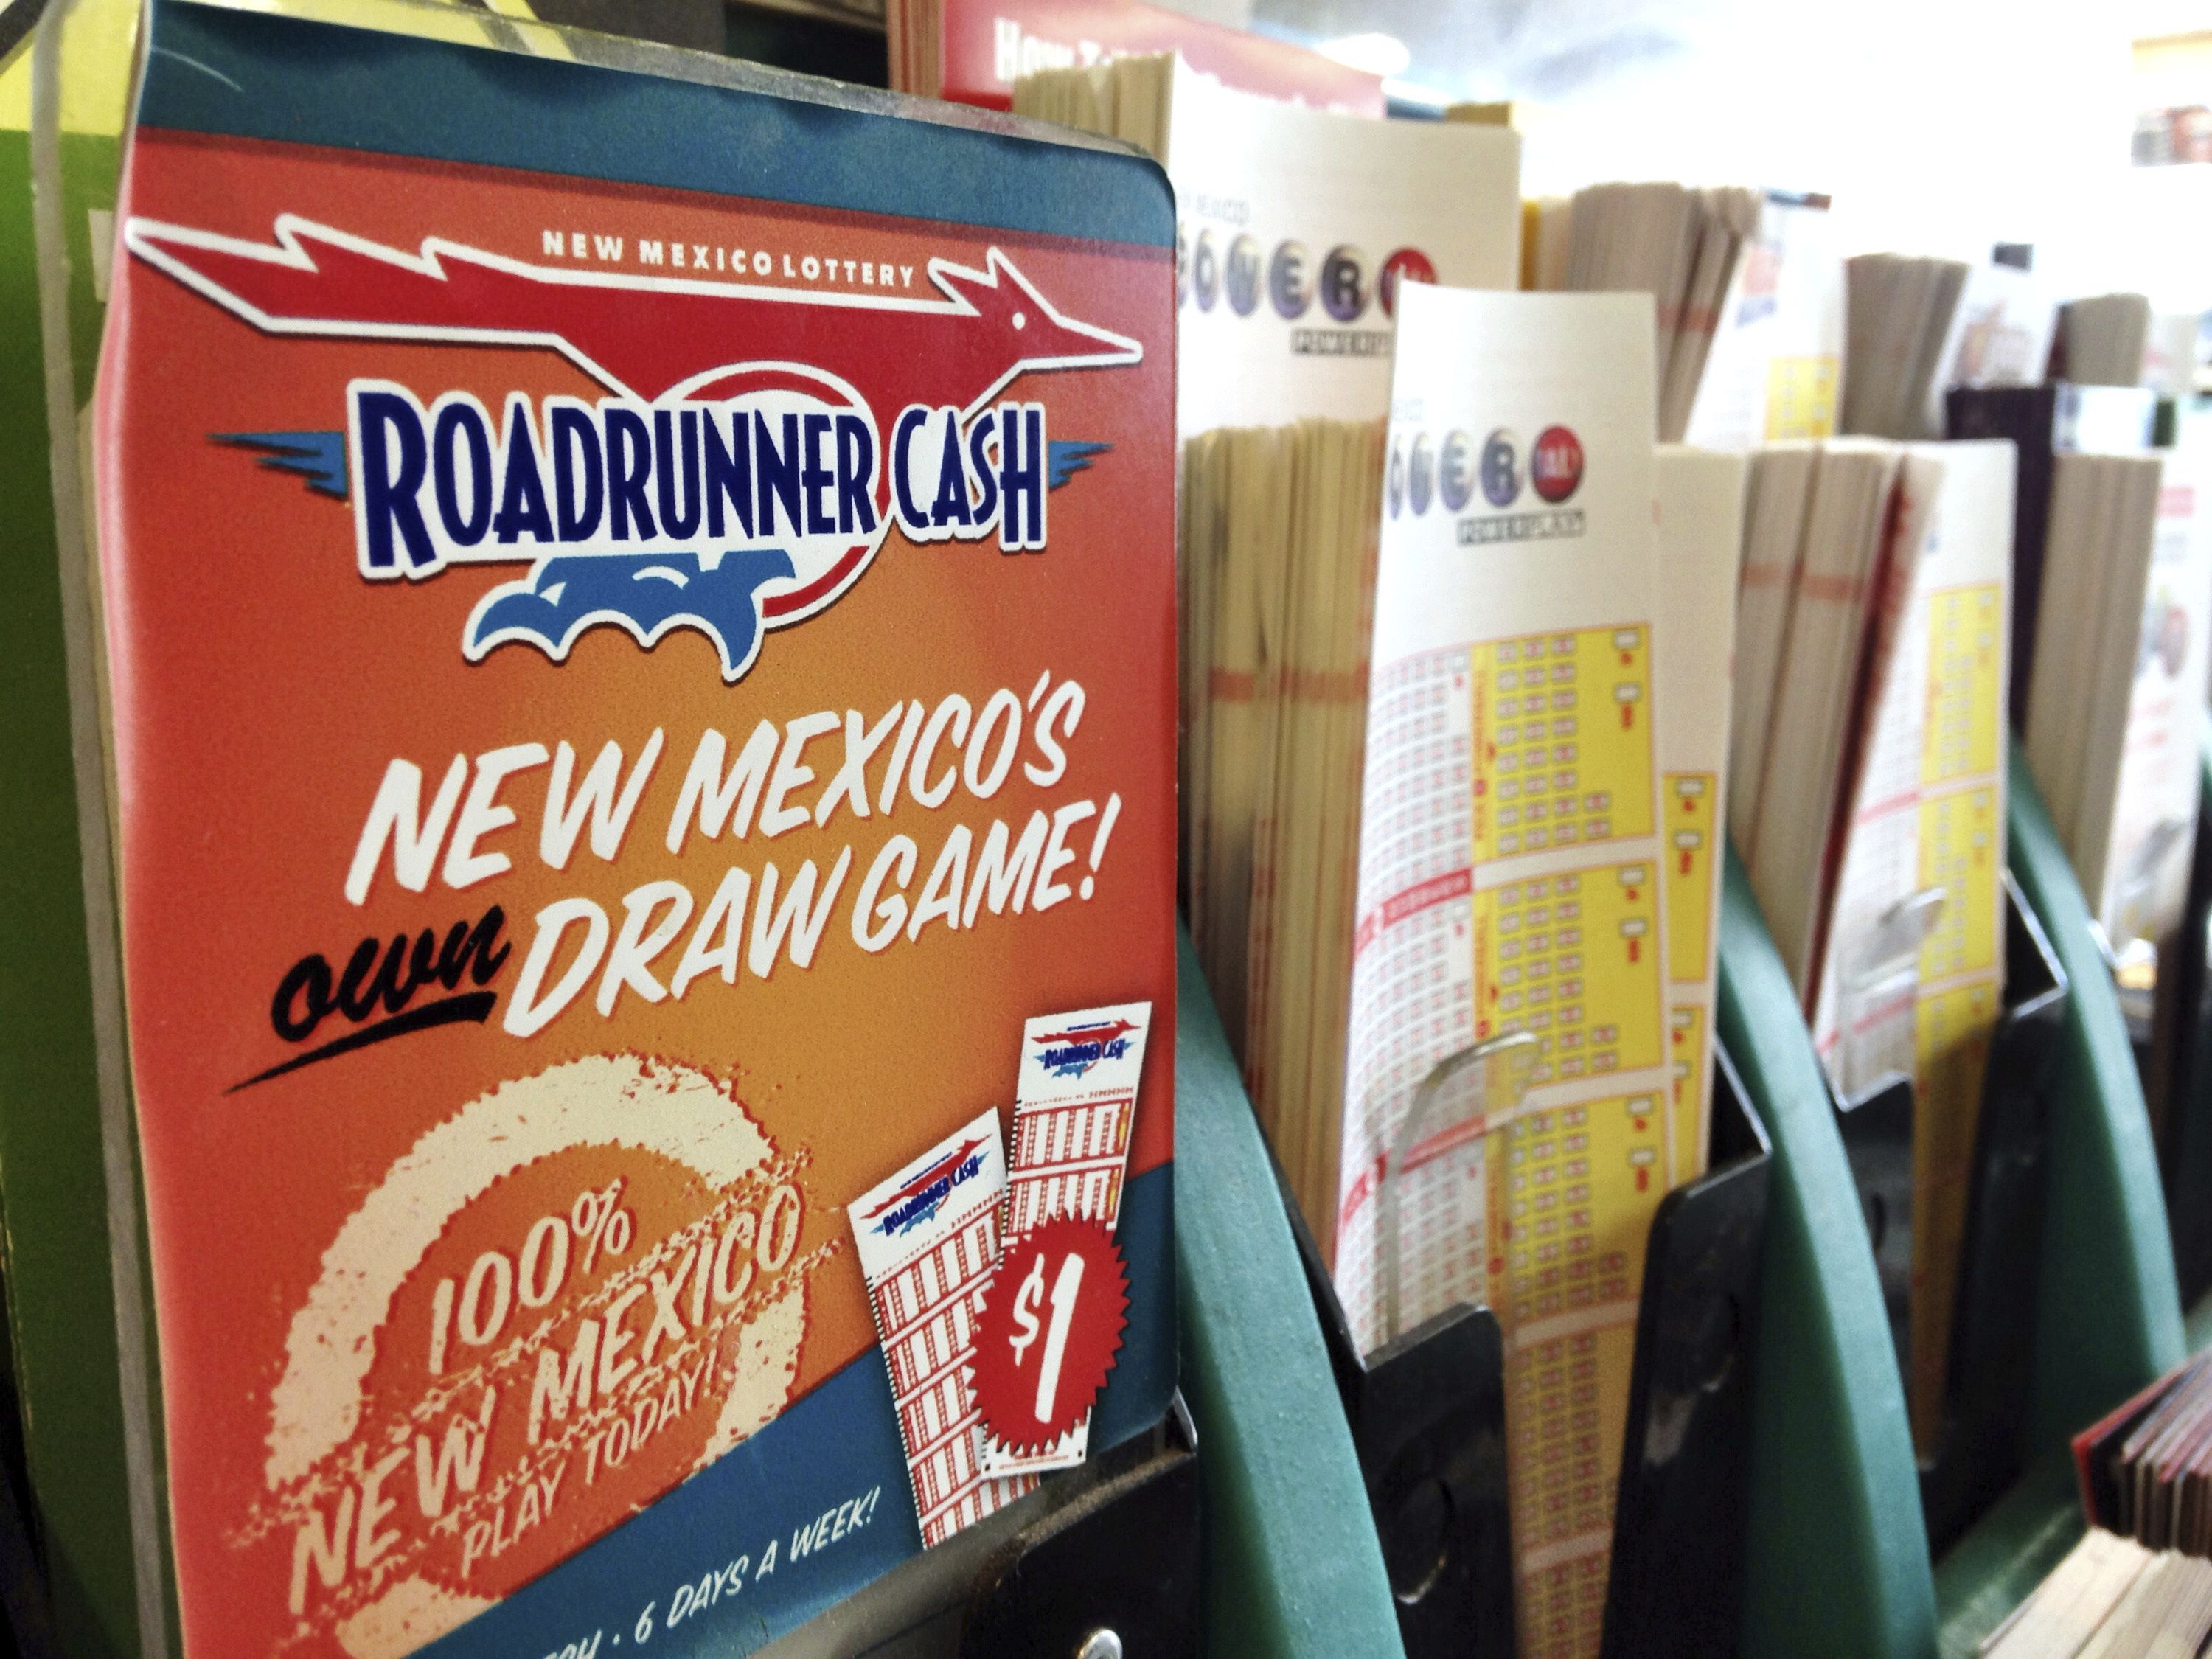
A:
(1700, 512)
(1679, 245)
(2102, 340)
(1533, 852)
(2116, 685)
(2145, 1469)
(1901, 312)
(1296, 226)
(2110, 1598)
(1919, 327)
(1869, 803)
(1909, 958)
(1800, 720)
(1279, 568)
(932, 1235)
(2000, 334)
(1514, 885)
(1749, 291)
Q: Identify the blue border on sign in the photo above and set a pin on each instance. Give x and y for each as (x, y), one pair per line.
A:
(248, 74)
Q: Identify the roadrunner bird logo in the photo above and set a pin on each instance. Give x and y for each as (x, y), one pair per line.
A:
(751, 450)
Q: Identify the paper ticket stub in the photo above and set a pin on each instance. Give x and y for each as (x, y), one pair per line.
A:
(928, 1241)
(1074, 1109)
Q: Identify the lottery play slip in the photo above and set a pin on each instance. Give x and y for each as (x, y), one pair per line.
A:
(1912, 966)
(639, 623)
(1510, 887)
(1299, 225)
(1700, 496)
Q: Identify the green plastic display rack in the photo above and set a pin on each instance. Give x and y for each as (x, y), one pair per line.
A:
(2109, 1313)
(1990, 1572)
(71, 74)
(1837, 1558)
(1293, 1570)
(2183, 1070)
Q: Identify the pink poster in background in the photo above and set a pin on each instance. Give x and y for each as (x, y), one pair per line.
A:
(987, 43)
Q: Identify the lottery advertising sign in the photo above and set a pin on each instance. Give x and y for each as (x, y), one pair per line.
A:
(640, 621)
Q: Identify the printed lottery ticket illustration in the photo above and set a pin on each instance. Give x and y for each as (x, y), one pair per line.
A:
(1075, 1108)
(928, 1240)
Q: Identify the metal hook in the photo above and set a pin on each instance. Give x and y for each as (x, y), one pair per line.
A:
(1502, 1065)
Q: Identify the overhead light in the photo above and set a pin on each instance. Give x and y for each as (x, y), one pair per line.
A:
(1376, 54)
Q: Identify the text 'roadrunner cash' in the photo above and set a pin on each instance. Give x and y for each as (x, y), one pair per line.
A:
(756, 471)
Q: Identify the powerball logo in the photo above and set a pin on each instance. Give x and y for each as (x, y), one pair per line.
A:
(1076, 1050)
(919, 1199)
(706, 489)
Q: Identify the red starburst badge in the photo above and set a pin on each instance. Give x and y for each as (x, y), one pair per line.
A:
(1051, 1325)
